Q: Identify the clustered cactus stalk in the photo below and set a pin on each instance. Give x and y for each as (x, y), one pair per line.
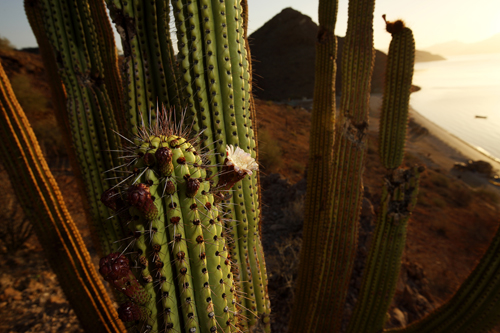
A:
(176, 217)
(211, 79)
(172, 209)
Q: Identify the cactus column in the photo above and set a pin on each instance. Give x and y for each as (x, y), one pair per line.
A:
(335, 254)
(399, 192)
(42, 203)
(74, 43)
(214, 65)
(320, 165)
(149, 66)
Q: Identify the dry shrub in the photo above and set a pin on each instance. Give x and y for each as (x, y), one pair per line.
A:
(15, 229)
(462, 196)
(270, 154)
(285, 263)
(440, 180)
(40, 114)
(488, 195)
(5, 44)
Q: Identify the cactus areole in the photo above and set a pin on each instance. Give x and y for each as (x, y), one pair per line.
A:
(174, 214)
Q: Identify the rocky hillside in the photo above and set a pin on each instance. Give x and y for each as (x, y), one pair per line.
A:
(283, 53)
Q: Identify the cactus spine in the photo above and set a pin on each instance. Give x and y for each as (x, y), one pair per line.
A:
(42, 201)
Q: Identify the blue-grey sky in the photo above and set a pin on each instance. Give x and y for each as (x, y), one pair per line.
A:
(432, 21)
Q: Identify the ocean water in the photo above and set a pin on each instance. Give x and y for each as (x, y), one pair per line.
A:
(455, 90)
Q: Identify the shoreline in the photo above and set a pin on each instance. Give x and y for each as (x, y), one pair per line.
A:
(462, 147)
(438, 147)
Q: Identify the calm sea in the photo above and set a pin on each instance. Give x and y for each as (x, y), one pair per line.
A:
(455, 91)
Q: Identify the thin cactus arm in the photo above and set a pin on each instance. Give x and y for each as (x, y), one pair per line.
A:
(42, 202)
(399, 195)
(395, 104)
(318, 196)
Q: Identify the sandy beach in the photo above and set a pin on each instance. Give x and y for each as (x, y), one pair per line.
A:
(439, 148)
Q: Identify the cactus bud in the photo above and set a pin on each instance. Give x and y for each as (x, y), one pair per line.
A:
(115, 269)
(164, 158)
(109, 199)
(140, 197)
(393, 27)
(192, 187)
(149, 159)
(129, 312)
(170, 187)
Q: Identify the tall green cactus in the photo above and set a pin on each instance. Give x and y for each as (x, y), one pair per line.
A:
(399, 192)
(171, 209)
(327, 254)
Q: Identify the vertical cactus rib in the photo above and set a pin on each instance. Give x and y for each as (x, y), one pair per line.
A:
(257, 260)
(394, 116)
(184, 63)
(43, 204)
(320, 163)
(109, 56)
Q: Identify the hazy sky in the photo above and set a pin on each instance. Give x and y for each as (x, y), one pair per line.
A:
(432, 21)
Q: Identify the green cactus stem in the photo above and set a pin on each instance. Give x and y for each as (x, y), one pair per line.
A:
(399, 196)
(70, 31)
(149, 59)
(180, 241)
(399, 193)
(337, 238)
(318, 196)
(42, 202)
(394, 115)
(214, 64)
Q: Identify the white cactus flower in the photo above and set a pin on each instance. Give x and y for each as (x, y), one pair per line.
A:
(240, 160)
